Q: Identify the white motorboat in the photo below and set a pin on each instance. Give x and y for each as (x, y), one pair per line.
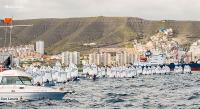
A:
(17, 85)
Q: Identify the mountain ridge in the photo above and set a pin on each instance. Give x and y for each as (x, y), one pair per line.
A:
(71, 33)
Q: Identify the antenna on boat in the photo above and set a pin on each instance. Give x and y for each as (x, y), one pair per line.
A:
(5, 36)
(9, 24)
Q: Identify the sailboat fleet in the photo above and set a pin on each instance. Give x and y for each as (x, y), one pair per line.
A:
(58, 74)
(55, 74)
(132, 71)
(18, 85)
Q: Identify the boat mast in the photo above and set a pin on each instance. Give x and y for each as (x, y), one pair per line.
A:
(9, 24)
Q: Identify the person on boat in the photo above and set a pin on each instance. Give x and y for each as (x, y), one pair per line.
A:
(38, 84)
(198, 61)
(94, 77)
(75, 79)
(189, 69)
(47, 81)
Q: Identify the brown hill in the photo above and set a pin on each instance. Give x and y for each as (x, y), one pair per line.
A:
(72, 33)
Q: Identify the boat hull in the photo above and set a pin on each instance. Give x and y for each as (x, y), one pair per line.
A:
(194, 66)
(23, 96)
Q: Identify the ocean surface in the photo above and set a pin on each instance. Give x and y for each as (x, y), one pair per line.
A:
(147, 91)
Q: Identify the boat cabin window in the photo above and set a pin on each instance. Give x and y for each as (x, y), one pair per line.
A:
(15, 80)
(25, 80)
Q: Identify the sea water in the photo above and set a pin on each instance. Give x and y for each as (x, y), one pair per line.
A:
(147, 91)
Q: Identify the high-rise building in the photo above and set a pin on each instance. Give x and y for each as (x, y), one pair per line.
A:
(40, 47)
(112, 56)
(106, 58)
(95, 58)
(70, 57)
(124, 58)
(100, 58)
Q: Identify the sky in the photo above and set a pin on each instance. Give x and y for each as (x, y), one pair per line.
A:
(147, 9)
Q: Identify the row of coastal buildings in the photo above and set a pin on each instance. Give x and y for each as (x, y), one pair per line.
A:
(161, 48)
(35, 54)
(112, 56)
(23, 53)
(168, 53)
(164, 51)
(102, 56)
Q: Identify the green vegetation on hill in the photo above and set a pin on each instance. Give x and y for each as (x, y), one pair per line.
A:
(72, 33)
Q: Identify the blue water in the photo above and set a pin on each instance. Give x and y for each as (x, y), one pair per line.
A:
(150, 91)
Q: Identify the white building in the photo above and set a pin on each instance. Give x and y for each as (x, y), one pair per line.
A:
(95, 58)
(40, 47)
(124, 58)
(195, 50)
(105, 58)
(70, 57)
(100, 58)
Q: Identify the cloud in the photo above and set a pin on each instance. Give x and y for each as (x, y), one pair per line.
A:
(13, 7)
(149, 9)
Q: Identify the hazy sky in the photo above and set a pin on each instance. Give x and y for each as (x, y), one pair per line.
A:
(148, 9)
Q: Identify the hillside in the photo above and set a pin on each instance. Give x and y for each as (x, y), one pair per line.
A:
(72, 33)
